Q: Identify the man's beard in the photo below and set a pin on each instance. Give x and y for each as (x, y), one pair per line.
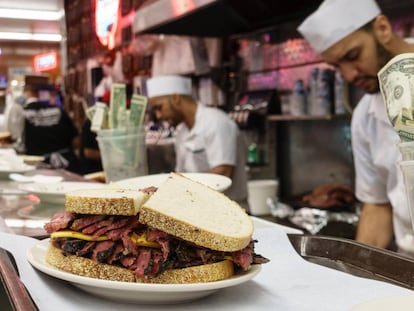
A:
(375, 87)
(383, 56)
(176, 115)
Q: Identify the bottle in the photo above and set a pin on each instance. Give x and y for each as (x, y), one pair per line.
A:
(298, 99)
(326, 91)
(341, 94)
(252, 155)
(313, 91)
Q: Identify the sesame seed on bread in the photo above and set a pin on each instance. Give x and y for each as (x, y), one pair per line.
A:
(199, 214)
(105, 201)
(89, 268)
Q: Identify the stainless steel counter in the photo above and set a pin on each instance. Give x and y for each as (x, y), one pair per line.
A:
(23, 212)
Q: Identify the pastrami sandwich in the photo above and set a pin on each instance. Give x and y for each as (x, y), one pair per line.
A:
(182, 232)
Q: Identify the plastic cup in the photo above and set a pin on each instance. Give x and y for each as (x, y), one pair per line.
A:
(407, 168)
(407, 150)
(123, 153)
(259, 191)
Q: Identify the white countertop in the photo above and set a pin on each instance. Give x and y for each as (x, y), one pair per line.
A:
(287, 282)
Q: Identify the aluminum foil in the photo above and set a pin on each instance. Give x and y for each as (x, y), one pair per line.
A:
(310, 219)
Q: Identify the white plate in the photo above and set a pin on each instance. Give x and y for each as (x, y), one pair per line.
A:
(12, 191)
(31, 159)
(215, 181)
(98, 176)
(135, 292)
(55, 192)
(400, 303)
(38, 178)
(4, 173)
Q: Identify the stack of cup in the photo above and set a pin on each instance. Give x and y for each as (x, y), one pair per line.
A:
(123, 152)
(407, 150)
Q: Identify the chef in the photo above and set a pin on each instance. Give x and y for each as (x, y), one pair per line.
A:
(357, 38)
(206, 140)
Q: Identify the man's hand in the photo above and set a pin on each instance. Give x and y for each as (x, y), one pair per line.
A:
(226, 170)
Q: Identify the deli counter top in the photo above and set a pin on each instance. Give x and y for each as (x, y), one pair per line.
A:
(323, 271)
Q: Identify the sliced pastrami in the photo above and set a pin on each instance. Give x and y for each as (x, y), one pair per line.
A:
(244, 257)
(143, 261)
(102, 251)
(85, 220)
(72, 246)
(59, 221)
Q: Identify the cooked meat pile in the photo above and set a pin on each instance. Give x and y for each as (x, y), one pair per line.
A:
(330, 195)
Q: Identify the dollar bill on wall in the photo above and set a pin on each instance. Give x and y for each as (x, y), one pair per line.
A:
(396, 80)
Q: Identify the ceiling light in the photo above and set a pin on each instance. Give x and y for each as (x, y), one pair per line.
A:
(47, 37)
(31, 14)
(30, 36)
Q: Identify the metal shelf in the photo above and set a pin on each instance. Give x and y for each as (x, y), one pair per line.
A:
(279, 117)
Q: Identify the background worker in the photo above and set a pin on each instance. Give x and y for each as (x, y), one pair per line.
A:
(356, 38)
(206, 140)
(49, 131)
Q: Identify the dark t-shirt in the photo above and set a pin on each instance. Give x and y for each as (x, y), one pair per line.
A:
(88, 140)
(48, 129)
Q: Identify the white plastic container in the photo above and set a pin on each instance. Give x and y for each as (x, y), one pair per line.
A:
(258, 193)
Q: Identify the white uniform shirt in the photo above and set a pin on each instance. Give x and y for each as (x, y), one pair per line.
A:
(103, 86)
(15, 121)
(376, 156)
(214, 140)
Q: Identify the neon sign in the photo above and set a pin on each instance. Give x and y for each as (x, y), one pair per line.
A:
(106, 21)
(45, 62)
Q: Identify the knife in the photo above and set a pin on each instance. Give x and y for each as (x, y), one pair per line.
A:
(19, 296)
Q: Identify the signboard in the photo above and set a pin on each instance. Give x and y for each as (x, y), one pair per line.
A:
(106, 21)
(45, 62)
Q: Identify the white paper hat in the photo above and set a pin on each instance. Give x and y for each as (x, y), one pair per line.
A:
(168, 85)
(335, 19)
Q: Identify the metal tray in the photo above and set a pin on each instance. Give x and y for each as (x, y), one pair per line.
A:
(18, 298)
(355, 258)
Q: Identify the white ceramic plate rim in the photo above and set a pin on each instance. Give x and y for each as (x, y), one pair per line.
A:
(10, 191)
(215, 181)
(51, 188)
(27, 157)
(24, 169)
(36, 257)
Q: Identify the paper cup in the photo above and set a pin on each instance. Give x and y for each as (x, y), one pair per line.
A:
(258, 193)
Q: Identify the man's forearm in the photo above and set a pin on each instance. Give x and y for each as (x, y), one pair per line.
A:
(226, 170)
(375, 225)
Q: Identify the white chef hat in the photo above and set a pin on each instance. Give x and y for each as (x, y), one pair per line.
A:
(335, 19)
(168, 85)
